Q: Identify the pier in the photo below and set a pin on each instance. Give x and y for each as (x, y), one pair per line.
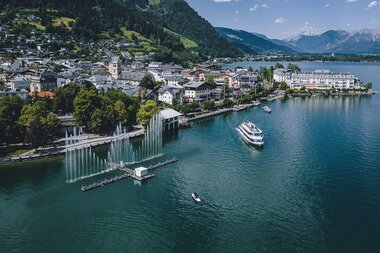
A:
(127, 172)
(184, 120)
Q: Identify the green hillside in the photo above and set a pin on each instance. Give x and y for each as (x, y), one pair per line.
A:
(171, 27)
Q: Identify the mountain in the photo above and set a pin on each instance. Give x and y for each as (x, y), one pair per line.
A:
(169, 25)
(253, 43)
(319, 43)
(178, 16)
(366, 41)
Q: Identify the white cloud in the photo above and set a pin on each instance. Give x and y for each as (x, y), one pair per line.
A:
(351, 1)
(237, 12)
(280, 20)
(254, 8)
(373, 4)
(327, 5)
(258, 6)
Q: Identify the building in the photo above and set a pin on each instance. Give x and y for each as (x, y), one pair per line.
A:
(20, 82)
(132, 77)
(245, 81)
(170, 119)
(23, 94)
(141, 171)
(282, 75)
(196, 91)
(175, 80)
(169, 95)
(317, 79)
(45, 81)
(114, 67)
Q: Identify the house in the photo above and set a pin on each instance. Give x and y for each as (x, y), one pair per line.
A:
(45, 81)
(156, 75)
(22, 93)
(170, 119)
(152, 95)
(245, 80)
(155, 65)
(131, 77)
(175, 80)
(169, 95)
(20, 82)
(196, 91)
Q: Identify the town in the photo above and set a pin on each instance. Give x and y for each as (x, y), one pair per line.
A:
(49, 87)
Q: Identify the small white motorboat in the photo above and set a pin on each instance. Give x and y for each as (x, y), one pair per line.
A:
(267, 109)
(196, 197)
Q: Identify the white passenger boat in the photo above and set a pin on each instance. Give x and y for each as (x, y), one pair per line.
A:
(196, 197)
(251, 134)
(267, 109)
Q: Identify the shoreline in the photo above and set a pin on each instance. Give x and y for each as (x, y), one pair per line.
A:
(102, 141)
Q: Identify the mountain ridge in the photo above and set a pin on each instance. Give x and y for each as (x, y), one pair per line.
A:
(254, 43)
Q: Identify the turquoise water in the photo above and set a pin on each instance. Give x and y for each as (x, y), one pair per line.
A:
(315, 187)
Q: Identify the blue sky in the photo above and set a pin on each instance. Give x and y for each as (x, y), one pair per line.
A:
(285, 18)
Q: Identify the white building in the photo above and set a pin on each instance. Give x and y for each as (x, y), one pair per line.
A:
(170, 119)
(282, 75)
(169, 94)
(196, 91)
(141, 171)
(317, 79)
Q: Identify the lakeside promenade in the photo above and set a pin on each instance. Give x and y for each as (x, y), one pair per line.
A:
(60, 150)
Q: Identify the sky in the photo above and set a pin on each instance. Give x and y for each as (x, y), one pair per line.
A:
(281, 19)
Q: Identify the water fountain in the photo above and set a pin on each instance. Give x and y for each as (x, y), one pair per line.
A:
(81, 162)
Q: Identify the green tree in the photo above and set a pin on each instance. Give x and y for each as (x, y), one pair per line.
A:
(209, 105)
(146, 112)
(85, 103)
(211, 83)
(228, 103)
(148, 82)
(52, 126)
(40, 126)
(368, 86)
(10, 110)
(250, 69)
(283, 86)
(64, 98)
(293, 67)
(103, 121)
(121, 112)
(278, 66)
(193, 106)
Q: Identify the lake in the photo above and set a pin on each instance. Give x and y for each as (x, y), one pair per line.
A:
(315, 187)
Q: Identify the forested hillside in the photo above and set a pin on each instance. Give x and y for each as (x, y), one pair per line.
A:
(95, 19)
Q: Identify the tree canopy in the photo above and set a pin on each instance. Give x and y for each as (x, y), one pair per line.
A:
(146, 112)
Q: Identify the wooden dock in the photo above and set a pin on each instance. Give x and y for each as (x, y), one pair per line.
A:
(127, 172)
(141, 178)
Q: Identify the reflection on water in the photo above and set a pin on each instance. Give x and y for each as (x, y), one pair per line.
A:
(313, 188)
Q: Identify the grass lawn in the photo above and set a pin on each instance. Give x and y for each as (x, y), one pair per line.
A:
(19, 152)
(128, 35)
(185, 41)
(63, 20)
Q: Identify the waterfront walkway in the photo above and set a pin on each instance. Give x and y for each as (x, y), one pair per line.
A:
(61, 150)
(184, 120)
